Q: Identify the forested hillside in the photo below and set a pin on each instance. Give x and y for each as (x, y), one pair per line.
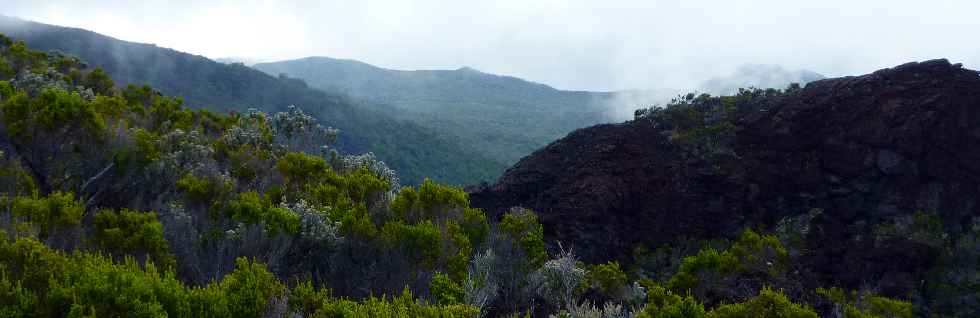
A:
(118, 201)
(505, 118)
(415, 151)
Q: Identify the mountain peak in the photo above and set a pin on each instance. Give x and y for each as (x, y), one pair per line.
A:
(937, 67)
(468, 69)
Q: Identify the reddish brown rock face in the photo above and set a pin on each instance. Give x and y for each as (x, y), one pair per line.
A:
(864, 149)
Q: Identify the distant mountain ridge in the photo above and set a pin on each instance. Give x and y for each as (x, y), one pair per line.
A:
(503, 116)
(414, 151)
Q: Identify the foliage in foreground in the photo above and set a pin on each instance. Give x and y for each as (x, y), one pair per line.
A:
(36, 281)
(122, 202)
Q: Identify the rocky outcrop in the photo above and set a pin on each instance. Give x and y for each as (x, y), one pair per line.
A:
(863, 149)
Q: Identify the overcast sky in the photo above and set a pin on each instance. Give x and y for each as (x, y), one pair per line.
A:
(588, 45)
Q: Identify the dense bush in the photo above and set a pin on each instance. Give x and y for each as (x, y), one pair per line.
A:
(522, 225)
(445, 290)
(241, 206)
(714, 275)
(609, 279)
(59, 210)
(865, 304)
(52, 109)
(662, 303)
(55, 284)
(252, 208)
(768, 303)
(201, 190)
(403, 306)
(558, 280)
(134, 233)
(39, 282)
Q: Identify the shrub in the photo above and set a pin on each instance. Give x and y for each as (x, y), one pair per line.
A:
(559, 278)
(759, 253)
(662, 303)
(517, 250)
(251, 208)
(474, 224)
(768, 303)
(299, 169)
(6, 70)
(921, 227)
(480, 286)
(865, 305)
(15, 300)
(403, 306)
(588, 310)
(145, 148)
(315, 224)
(457, 249)
(707, 260)
(50, 283)
(6, 90)
(248, 289)
(357, 223)
(751, 255)
(609, 279)
(522, 225)
(362, 185)
(887, 307)
(14, 179)
(305, 298)
(431, 201)
(99, 81)
(377, 167)
(201, 190)
(132, 232)
(445, 290)
(420, 241)
(57, 210)
(52, 108)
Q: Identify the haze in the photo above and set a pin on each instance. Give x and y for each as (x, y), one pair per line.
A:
(578, 45)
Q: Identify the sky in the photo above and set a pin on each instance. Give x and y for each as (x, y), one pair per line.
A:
(576, 45)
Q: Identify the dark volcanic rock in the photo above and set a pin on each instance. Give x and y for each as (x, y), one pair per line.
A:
(864, 149)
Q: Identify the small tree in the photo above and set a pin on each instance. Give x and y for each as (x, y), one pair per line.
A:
(558, 279)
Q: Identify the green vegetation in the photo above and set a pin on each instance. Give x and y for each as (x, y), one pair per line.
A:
(445, 290)
(39, 282)
(522, 226)
(57, 211)
(130, 232)
(768, 303)
(120, 202)
(703, 127)
(126, 262)
(251, 208)
(752, 255)
(416, 150)
(663, 303)
(865, 305)
(609, 279)
(502, 118)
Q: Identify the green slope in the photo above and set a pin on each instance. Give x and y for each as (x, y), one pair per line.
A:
(503, 117)
(414, 151)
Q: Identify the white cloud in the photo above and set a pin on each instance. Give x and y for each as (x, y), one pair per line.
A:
(595, 45)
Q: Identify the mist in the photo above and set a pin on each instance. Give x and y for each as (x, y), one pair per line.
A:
(624, 103)
(575, 45)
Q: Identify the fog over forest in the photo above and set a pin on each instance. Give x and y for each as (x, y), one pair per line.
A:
(574, 45)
